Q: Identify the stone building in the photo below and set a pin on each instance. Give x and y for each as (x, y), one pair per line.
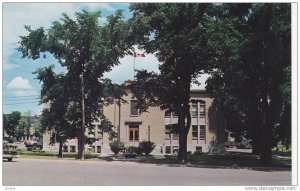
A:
(154, 125)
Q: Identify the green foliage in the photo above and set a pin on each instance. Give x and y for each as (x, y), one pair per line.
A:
(179, 41)
(87, 49)
(147, 147)
(134, 150)
(253, 54)
(116, 146)
(10, 125)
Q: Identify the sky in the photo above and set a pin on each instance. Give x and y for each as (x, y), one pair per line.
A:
(20, 89)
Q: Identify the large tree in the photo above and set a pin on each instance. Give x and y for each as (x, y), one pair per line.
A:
(86, 49)
(176, 33)
(250, 79)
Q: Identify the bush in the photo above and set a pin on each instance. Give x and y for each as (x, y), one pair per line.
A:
(116, 146)
(136, 150)
(147, 147)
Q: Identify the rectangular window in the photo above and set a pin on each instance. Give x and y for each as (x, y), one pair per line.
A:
(167, 132)
(101, 109)
(167, 114)
(202, 109)
(133, 107)
(72, 149)
(202, 132)
(195, 132)
(168, 149)
(175, 149)
(133, 133)
(199, 149)
(194, 109)
(175, 136)
(98, 149)
(65, 148)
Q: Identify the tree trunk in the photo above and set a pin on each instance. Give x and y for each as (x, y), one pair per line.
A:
(266, 147)
(182, 138)
(81, 133)
(266, 135)
(60, 154)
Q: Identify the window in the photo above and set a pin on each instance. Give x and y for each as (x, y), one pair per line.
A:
(167, 132)
(65, 148)
(72, 149)
(168, 149)
(195, 132)
(167, 114)
(202, 132)
(98, 149)
(175, 136)
(202, 109)
(199, 149)
(101, 109)
(175, 149)
(99, 133)
(194, 109)
(133, 107)
(133, 133)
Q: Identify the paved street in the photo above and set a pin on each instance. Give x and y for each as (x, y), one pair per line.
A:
(35, 172)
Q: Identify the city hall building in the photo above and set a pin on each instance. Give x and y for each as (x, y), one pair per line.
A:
(154, 125)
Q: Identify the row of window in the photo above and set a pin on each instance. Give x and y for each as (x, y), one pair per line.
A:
(197, 110)
(73, 149)
(171, 133)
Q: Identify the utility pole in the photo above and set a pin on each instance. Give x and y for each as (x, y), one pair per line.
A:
(119, 126)
(82, 130)
(149, 133)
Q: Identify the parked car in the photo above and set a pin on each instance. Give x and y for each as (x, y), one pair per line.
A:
(30, 147)
(244, 144)
(10, 153)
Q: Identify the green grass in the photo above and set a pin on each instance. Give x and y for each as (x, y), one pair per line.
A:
(53, 155)
(225, 159)
(230, 159)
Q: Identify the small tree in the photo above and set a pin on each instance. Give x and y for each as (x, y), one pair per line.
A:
(10, 125)
(147, 147)
(116, 146)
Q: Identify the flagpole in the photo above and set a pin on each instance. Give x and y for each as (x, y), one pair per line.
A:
(134, 66)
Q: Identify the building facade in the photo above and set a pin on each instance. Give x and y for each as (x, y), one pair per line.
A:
(155, 125)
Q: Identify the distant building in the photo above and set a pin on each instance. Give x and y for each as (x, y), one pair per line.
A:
(155, 125)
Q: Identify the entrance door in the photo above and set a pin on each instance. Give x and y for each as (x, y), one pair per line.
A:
(133, 133)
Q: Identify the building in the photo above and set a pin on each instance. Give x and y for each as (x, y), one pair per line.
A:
(154, 125)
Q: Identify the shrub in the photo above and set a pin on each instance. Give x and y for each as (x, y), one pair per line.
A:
(136, 150)
(116, 146)
(147, 147)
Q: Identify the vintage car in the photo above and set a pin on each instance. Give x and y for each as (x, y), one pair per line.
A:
(10, 153)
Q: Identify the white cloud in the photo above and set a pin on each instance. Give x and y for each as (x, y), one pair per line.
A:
(19, 83)
(124, 71)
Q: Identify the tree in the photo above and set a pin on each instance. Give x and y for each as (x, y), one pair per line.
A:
(87, 50)
(251, 73)
(22, 127)
(54, 118)
(177, 35)
(10, 125)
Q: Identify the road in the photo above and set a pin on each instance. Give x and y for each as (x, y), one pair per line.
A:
(38, 172)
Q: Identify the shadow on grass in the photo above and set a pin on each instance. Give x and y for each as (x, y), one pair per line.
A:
(214, 161)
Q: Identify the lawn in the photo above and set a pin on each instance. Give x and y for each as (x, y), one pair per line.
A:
(53, 155)
(233, 159)
(229, 159)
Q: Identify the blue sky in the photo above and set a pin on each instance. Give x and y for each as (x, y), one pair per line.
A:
(20, 89)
